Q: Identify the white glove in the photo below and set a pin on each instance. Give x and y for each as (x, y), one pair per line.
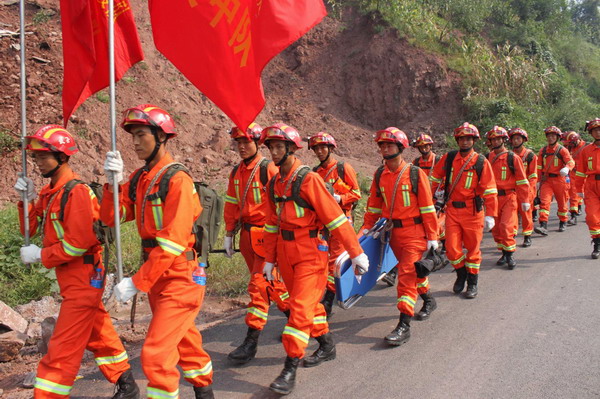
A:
(25, 187)
(268, 271)
(113, 166)
(125, 290)
(580, 195)
(337, 198)
(360, 264)
(31, 254)
(228, 245)
(432, 244)
(488, 223)
(525, 206)
(564, 171)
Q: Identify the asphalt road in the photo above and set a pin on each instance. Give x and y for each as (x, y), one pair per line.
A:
(531, 333)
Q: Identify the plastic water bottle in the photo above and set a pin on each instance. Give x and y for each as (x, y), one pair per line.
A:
(97, 279)
(199, 274)
(568, 179)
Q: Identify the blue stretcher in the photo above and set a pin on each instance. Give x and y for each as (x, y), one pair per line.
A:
(381, 260)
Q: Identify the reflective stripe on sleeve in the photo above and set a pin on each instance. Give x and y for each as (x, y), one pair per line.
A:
(170, 246)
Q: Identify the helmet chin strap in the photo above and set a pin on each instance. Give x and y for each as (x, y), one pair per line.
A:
(463, 150)
(53, 171)
(285, 157)
(498, 146)
(324, 162)
(518, 146)
(424, 154)
(388, 157)
(157, 144)
(251, 157)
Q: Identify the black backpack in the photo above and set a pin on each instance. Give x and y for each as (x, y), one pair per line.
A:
(340, 169)
(414, 179)
(296, 184)
(417, 162)
(448, 168)
(264, 171)
(510, 160)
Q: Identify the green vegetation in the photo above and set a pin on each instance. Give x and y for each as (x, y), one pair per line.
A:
(8, 143)
(103, 97)
(42, 16)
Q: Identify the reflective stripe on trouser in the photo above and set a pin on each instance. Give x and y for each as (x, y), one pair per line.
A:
(172, 337)
(408, 244)
(504, 229)
(304, 270)
(558, 187)
(527, 217)
(422, 285)
(261, 291)
(574, 199)
(592, 206)
(464, 229)
(335, 249)
(82, 323)
(442, 225)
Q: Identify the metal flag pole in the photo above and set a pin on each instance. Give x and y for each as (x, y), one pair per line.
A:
(24, 119)
(113, 131)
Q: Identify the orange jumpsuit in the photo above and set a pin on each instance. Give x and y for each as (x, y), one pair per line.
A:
(552, 183)
(464, 225)
(587, 179)
(72, 249)
(574, 199)
(349, 198)
(260, 290)
(532, 177)
(166, 275)
(414, 222)
(302, 256)
(513, 190)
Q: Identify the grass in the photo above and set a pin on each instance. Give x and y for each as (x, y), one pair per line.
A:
(103, 97)
(41, 17)
(8, 143)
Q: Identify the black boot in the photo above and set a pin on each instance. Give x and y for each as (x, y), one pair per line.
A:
(534, 215)
(327, 302)
(390, 277)
(573, 220)
(579, 210)
(401, 333)
(204, 392)
(542, 228)
(461, 277)
(284, 384)
(510, 261)
(596, 251)
(562, 226)
(502, 260)
(325, 352)
(443, 247)
(247, 350)
(526, 241)
(471, 286)
(429, 305)
(126, 387)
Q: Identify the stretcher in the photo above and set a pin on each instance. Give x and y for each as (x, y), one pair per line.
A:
(381, 260)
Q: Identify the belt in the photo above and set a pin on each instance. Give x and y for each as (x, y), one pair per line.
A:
(289, 235)
(149, 243)
(459, 204)
(189, 255)
(553, 175)
(407, 222)
(596, 177)
(88, 259)
(505, 192)
(248, 226)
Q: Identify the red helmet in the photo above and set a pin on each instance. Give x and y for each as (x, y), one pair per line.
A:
(423, 139)
(52, 138)
(519, 131)
(391, 135)
(252, 132)
(466, 130)
(497, 131)
(553, 130)
(593, 124)
(572, 137)
(149, 115)
(321, 138)
(281, 131)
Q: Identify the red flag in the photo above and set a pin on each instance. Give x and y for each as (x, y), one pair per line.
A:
(85, 48)
(222, 46)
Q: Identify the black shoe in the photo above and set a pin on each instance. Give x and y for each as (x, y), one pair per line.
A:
(327, 302)
(510, 261)
(126, 387)
(390, 277)
(247, 350)
(401, 333)
(542, 229)
(284, 384)
(534, 216)
(579, 210)
(596, 251)
(526, 241)
(325, 352)
(573, 220)
(562, 226)
(429, 305)
(461, 278)
(443, 247)
(471, 286)
(204, 392)
(502, 260)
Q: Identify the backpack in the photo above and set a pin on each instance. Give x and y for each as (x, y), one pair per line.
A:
(264, 171)
(436, 159)
(206, 228)
(448, 168)
(414, 179)
(340, 169)
(296, 184)
(510, 160)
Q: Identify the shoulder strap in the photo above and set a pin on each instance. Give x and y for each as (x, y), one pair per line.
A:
(414, 179)
(529, 156)
(416, 162)
(234, 171)
(264, 171)
(297, 183)
(437, 159)
(448, 168)
(341, 170)
(272, 188)
(510, 158)
(479, 165)
(378, 173)
(65, 197)
(163, 185)
(133, 184)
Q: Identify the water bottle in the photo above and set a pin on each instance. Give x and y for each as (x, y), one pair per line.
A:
(97, 279)
(199, 274)
(568, 179)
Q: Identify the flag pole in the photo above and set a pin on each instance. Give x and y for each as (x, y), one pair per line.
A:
(24, 119)
(113, 131)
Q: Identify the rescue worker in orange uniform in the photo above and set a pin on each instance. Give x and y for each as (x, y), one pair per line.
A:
(587, 180)
(345, 191)
(166, 275)
(467, 192)
(71, 247)
(513, 193)
(575, 145)
(412, 221)
(245, 211)
(554, 164)
(518, 137)
(292, 242)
